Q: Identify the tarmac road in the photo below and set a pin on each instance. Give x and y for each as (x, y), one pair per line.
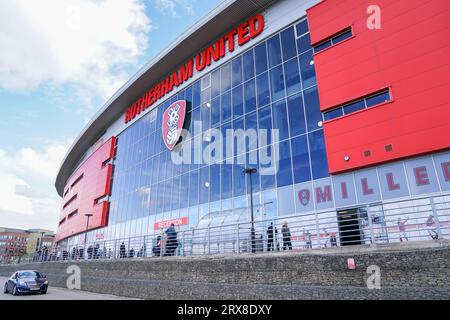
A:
(54, 293)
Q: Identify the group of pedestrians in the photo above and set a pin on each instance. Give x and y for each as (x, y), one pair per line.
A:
(42, 254)
(167, 243)
(272, 234)
(432, 223)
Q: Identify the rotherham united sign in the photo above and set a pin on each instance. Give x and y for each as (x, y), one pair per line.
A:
(245, 32)
(173, 120)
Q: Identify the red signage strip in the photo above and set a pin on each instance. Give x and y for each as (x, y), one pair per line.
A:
(244, 33)
(91, 181)
(166, 223)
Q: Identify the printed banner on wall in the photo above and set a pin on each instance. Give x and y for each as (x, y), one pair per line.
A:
(418, 176)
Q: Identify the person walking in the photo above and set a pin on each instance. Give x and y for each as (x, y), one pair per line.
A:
(89, 252)
(333, 240)
(172, 242)
(260, 243)
(307, 237)
(401, 227)
(122, 251)
(286, 237)
(157, 247)
(271, 233)
(431, 222)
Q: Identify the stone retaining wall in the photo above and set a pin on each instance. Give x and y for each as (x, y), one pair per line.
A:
(406, 273)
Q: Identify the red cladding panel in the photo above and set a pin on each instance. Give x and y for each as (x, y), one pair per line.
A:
(91, 181)
(410, 54)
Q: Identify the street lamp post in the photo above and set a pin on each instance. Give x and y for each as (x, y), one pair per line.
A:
(88, 215)
(40, 245)
(249, 171)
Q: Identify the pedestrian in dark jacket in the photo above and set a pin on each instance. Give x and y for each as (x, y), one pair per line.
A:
(333, 240)
(157, 247)
(286, 237)
(89, 252)
(172, 242)
(270, 236)
(122, 251)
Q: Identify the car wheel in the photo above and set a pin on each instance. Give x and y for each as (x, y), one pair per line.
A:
(44, 292)
(14, 291)
(5, 289)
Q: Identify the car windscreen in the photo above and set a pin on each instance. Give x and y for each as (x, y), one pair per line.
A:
(29, 274)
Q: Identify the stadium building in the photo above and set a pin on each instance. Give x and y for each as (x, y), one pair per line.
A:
(342, 106)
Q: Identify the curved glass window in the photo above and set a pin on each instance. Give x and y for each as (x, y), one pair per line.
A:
(274, 50)
(304, 43)
(248, 63)
(225, 106)
(292, 75)
(288, 43)
(215, 112)
(312, 109)
(296, 115)
(193, 188)
(262, 85)
(270, 86)
(261, 58)
(225, 77)
(215, 83)
(227, 180)
(249, 96)
(236, 72)
(280, 119)
(307, 70)
(277, 83)
(319, 160)
(284, 172)
(237, 101)
(300, 159)
(214, 182)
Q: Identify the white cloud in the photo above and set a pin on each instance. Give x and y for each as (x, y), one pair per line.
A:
(173, 6)
(27, 196)
(28, 161)
(86, 44)
(9, 199)
(45, 164)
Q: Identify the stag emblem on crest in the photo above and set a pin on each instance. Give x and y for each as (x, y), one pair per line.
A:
(172, 124)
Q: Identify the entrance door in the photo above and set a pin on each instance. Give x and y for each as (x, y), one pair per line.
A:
(349, 228)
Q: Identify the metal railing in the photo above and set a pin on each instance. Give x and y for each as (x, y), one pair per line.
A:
(426, 218)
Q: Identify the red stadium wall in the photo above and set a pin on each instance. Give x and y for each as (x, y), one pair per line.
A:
(85, 192)
(410, 54)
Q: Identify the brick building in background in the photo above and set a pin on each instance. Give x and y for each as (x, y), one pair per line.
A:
(16, 243)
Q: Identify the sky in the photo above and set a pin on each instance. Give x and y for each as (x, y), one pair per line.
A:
(60, 61)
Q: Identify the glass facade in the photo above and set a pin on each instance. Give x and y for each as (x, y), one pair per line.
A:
(270, 86)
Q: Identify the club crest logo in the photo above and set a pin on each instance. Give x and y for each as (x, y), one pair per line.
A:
(304, 196)
(173, 120)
